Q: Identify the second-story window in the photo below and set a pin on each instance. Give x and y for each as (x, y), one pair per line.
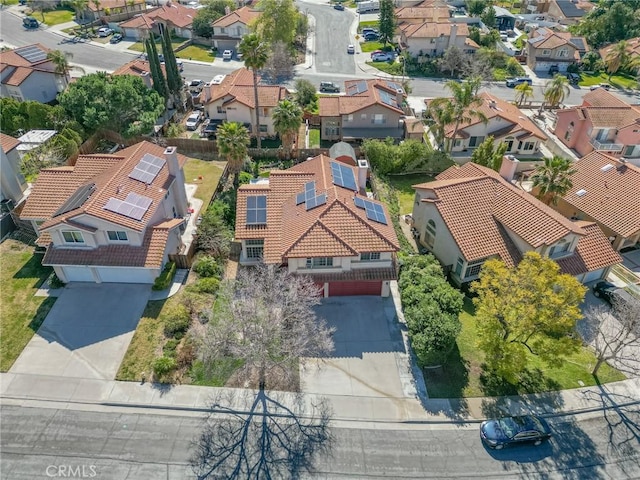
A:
(369, 256)
(430, 233)
(72, 236)
(319, 262)
(559, 249)
(116, 236)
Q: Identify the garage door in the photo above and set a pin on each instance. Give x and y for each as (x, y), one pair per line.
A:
(591, 276)
(226, 45)
(78, 274)
(339, 289)
(125, 275)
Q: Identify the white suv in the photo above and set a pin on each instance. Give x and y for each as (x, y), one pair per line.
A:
(193, 121)
(227, 54)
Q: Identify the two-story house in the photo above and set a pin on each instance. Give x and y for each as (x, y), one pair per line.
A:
(229, 29)
(504, 121)
(104, 8)
(470, 214)
(433, 39)
(176, 18)
(568, 12)
(231, 98)
(605, 190)
(138, 68)
(604, 123)
(316, 219)
(422, 13)
(547, 48)
(369, 109)
(111, 218)
(27, 74)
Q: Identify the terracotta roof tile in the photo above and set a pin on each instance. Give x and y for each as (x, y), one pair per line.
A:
(423, 14)
(174, 13)
(633, 48)
(351, 103)
(13, 57)
(245, 15)
(593, 252)
(550, 39)
(136, 68)
(238, 87)
(111, 4)
(429, 29)
(8, 142)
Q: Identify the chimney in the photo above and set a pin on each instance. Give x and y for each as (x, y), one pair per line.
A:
(363, 169)
(146, 78)
(178, 188)
(492, 104)
(206, 93)
(453, 34)
(509, 167)
(227, 10)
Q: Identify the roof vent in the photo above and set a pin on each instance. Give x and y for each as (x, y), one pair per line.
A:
(581, 193)
(607, 167)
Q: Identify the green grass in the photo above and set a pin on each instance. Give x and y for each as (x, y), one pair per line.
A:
(210, 174)
(21, 314)
(175, 41)
(406, 194)
(521, 41)
(9, 2)
(314, 138)
(394, 68)
(217, 375)
(196, 52)
(619, 80)
(369, 23)
(58, 16)
(463, 374)
(370, 46)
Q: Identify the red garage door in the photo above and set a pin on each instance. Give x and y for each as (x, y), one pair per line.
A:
(340, 289)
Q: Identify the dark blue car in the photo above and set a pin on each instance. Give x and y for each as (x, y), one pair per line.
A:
(511, 430)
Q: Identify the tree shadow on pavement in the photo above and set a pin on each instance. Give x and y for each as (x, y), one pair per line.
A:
(261, 435)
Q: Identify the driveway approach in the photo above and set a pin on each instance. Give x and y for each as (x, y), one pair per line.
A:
(86, 333)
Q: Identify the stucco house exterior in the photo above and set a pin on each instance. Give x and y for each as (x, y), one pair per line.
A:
(433, 39)
(231, 98)
(111, 7)
(316, 219)
(369, 109)
(229, 30)
(138, 68)
(111, 218)
(173, 16)
(547, 48)
(470, 214)
(568, 12)
(27, 74)
(605, 190)
(505, 122)
(12, 184)
(604, 123)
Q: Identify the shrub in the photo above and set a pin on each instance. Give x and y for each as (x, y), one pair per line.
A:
(207, 266)
(55, 282)
(177, 322)
(169, 349)
(162, 366)
(166, 277)
(207, 285)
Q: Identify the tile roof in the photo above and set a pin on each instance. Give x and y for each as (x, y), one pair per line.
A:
(375, 93)
(173, 13)
(136, 68)
(20, 68)
(593, 252)
(479, 207)
(111, 4)
(8, 142)
(433, 30)
(238, 87)
(611, 196)
(633, 48)
(423, 14)
(337, 228)
(245, 15)
(550, 39)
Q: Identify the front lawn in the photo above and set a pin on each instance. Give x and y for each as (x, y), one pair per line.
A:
(175, 42)
(619, 80)
(369, 24)
(464, 376)
(371, 46)
(58, 16)
(392, 68)
(406, 194)
(21, 314)
(210, 173)
(196, 52)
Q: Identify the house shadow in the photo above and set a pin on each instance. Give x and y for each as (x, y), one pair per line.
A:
(34, 269)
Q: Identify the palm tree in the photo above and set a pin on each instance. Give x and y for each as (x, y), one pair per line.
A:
(232, 141)
(553, 179)
(617, 57)
(555, 91)
(464, 104)
(97, 4)
(60, 62)
(255, 53)
(440, 114)
(79, 6)
(287, 118)
(524, 91)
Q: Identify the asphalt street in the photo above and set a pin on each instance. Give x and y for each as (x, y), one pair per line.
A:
(149, 446)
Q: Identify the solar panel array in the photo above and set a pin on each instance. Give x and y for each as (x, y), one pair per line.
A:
(147, 168)
(357, 88)
(343, 176)
(395, 86)
(387, 98)
(257, 210)
(308, 194)
(316, 201)
(373, 210)
(134, 206)
(32, 53)
(79, 197)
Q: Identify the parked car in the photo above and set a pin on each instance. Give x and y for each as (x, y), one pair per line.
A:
(104, 32)
(612, 294)
(369, 30)
(351, 49)
(371, 36)
(329, 87)
(514, 82)
(227, 55)
(573, 78)
(193, 121)
(505, 431)
(381, 57)
(553, 69)
(209, 130)
(116, 38)
(196, 82)
(30, 22)
(338, 6)
(606, 86)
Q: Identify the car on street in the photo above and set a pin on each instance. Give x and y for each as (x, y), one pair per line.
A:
(193, 121)
(116, 38)
(606, 86)
(369, 30)
(381, 57)
(227, 54)
(500, 432)
(351, 49)
(196, 82)
(371, 36)
(104, 32)
(514, 82)
(573, 78)
(329, 87)
(338, 6)
(30, 22)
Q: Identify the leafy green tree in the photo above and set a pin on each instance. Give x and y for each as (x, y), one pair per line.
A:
(306, 94)
(387, 22)
(531, 309)
(80, 6)
(121, 102)
(211, 11)
(489, 17)
(175, 130)
(410, 156)
(556, 91)
(255, 53)
(232, 141)
(617, 57)
(17, 117)
(488, 155)
(553, 179)
(612, 21)
(287, 118)
(278, 22)
(439, 114)
(524, 91)
(476, 7)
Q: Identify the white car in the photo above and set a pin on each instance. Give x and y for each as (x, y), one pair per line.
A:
(381, 57)
(351, 49)
(227, 54)
(193, 121)
(104, 32)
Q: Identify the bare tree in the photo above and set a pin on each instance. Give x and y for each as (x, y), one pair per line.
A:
(262, 436)
(615, 335)
(279, 66)
(266, 319)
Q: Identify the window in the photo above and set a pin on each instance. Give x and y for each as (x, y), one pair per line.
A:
(630, 150)
(473, 268)
(529, 146)
(254, 248)
(348, 118)
(569, 132)
(319, 262)
(559, 249)
(363, 116)
(265, 112)
(509, 142)
(378, 119)
(563, 53)
(475, 141)
(223, 30)
(430, 233)
(369, 256)
(263, 129)
(457, 142)
(221, 110)
(459, 265)
(546, 52)
(72, 237)
(116, 236)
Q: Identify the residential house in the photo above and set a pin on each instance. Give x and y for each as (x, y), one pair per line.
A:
(606, 190)
(420, 14)
(568, 12)
(12, 184)
(504, 121)
(470, 214)
(27, 74)
(505, 20)
(603, 122)
(231, 98)
(138, 68)
(96, 11)
(111, 218)
(34, 139)
(547, 48)
(229, 30)
(175, 17)
(433, 39)
(369, 109)
(316, 219)
(633, 49)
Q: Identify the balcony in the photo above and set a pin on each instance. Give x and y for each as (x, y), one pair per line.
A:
(606, 147)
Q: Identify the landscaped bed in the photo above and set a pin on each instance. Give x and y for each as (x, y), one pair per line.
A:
(406, 194)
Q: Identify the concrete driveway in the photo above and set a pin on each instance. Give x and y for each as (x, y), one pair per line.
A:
(86, 333)
(369, 358)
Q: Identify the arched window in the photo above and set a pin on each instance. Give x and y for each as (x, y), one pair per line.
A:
(430, 233)
(569, 132)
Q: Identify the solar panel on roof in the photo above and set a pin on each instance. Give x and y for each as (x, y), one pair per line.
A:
(32, 53)
(309, 193)
(357, 88)
(373, 210)
(316, 201)
(79, 197)
(257, 210)
(343, 176)
(147, 168)
(395, 86)
(387, 98)
(134, 206)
